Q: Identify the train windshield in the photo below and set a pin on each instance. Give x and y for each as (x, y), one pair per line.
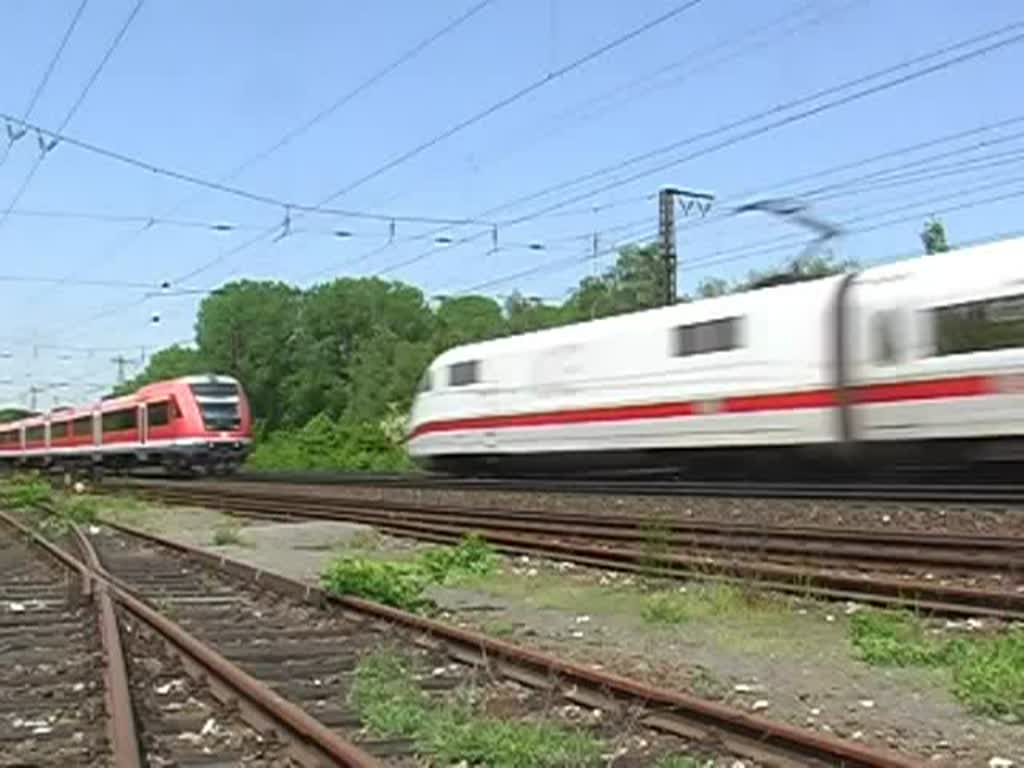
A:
(219, 404)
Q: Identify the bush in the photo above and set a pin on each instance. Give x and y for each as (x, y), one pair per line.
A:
(25, 491)
(987, 671)
(397, 584)
(473, 556)
(324, 443)
(402, 584)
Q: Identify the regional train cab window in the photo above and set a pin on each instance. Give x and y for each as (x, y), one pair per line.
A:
(115, 421)
(710, 336)
(461, 374)
(82, 426)
(158, 414)
(58, 430)
(979, 326)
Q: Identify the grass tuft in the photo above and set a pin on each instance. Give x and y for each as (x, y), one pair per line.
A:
(392, 705)
(987, 671)
(699, 601)
(402, 584)
(227, 534)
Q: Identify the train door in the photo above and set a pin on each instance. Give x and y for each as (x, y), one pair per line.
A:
(143, 420)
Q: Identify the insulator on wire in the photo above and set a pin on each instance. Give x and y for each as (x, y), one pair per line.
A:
(44, 145)
(14, 134)
(391, 231)
(494, 237)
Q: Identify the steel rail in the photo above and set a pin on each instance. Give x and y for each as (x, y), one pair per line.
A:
(676, 712)
(915, 593)
(953, 551)
(941, 491)
(313, 743)
(121, 730)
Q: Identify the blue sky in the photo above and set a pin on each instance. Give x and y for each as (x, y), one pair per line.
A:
(202, 87)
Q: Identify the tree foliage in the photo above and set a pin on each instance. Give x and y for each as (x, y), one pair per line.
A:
(933, 237)
(330, 371)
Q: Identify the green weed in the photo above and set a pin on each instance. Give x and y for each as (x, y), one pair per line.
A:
(402, 584)
(25, 490)
(697, 602)
(987, 671)
(988, 675)
(392, 705)
(228, 534)
(398, 584)
(472, 556)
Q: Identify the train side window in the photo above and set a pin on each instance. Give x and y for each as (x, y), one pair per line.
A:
(116, 421)
(461, 374)
(34, 434)
(158, 414)
(979, 326)
(58, 429)
(82, 426)
(709, 336)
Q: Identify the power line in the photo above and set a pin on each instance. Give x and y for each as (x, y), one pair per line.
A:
(220, 184)
(45, 147)
(753, 118)
(512, 98)
(787, 120)
(41, 85)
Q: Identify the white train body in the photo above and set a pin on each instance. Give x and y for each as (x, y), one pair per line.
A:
(925, 354)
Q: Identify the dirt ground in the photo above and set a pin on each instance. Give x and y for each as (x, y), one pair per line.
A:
(786, 658)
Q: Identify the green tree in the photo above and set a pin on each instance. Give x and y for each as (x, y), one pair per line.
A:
(524, 314)
(807, 267)
(463, 319)
(246, 329)
(636, 281)
(933, 237)
(336, 322)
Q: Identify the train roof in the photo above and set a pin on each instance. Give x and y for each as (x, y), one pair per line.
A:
(149, 390)
(688, 312)
(945, 272)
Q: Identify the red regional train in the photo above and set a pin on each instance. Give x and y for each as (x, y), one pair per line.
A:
(195, 423)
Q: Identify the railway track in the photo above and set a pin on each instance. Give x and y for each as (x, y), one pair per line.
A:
(951, 574)
(938, 488)
(234, 630)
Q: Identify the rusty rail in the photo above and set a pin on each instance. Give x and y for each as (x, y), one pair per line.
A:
(313, 742)
(686, 715)
(121, 731)
(924, 595)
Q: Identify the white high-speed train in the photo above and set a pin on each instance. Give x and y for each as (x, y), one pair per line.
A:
(918, 362)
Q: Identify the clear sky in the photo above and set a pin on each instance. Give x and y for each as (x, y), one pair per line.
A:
(203, 87)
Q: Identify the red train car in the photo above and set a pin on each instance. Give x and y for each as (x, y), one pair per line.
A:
(195, 423)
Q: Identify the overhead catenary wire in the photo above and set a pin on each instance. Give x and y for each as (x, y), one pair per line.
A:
(47, 73)
(44, 148)
(753, 118)
(514, 97)
(817, 109)
(220, 183)
(788, 119)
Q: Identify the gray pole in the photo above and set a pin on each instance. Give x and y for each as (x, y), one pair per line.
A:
(667, 237)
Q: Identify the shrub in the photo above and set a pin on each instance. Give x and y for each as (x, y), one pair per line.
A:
(397, 584)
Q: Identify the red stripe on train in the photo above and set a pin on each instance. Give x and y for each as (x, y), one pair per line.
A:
(904, 391)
